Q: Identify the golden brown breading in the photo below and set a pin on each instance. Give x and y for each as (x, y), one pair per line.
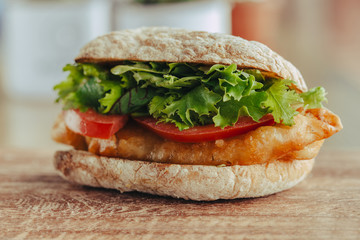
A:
(60, 133)
(264, 144)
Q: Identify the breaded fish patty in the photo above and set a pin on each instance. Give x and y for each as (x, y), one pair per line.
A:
(264, 144)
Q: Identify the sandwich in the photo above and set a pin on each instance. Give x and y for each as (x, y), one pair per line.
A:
(187, 114)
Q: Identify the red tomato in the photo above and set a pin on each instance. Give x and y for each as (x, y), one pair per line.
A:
(93, 124)
(204, 133)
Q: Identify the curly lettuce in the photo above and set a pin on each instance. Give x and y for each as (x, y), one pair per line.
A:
(184, 94)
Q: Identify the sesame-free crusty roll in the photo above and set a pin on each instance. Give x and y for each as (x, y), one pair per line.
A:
(262, 161)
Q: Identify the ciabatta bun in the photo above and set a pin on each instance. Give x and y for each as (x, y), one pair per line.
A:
(162, 44)
(195, 182)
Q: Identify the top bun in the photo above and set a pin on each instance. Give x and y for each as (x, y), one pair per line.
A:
(163, 44)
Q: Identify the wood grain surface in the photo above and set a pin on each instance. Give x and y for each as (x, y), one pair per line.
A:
(35, 203)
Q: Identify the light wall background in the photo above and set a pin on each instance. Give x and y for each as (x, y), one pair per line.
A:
(37, 38)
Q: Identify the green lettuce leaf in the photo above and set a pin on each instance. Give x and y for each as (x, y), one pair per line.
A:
(89, 93)
(80, 89)
(114, 91)
(165, 75)
(184, 94)
(69, 86)
(92, 70)
(139, 67)
(183, 70)
(132, 101)
(197, 102)
(314, 98)
(158, 104)
(231, 83)
(251, 105)
(256, 73)
(280, 100)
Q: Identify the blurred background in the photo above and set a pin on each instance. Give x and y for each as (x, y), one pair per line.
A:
(38, 37)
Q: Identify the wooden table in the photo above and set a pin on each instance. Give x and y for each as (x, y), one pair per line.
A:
(36, 203)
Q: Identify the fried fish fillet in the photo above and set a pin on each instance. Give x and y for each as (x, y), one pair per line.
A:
(264, 144)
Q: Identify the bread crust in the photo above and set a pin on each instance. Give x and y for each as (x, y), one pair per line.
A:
(163, 44)
(195, 182)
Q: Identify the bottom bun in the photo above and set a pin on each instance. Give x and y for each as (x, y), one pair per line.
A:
(195, 182)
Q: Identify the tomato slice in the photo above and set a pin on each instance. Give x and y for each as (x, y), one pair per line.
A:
(93, 124)
(203, 133)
